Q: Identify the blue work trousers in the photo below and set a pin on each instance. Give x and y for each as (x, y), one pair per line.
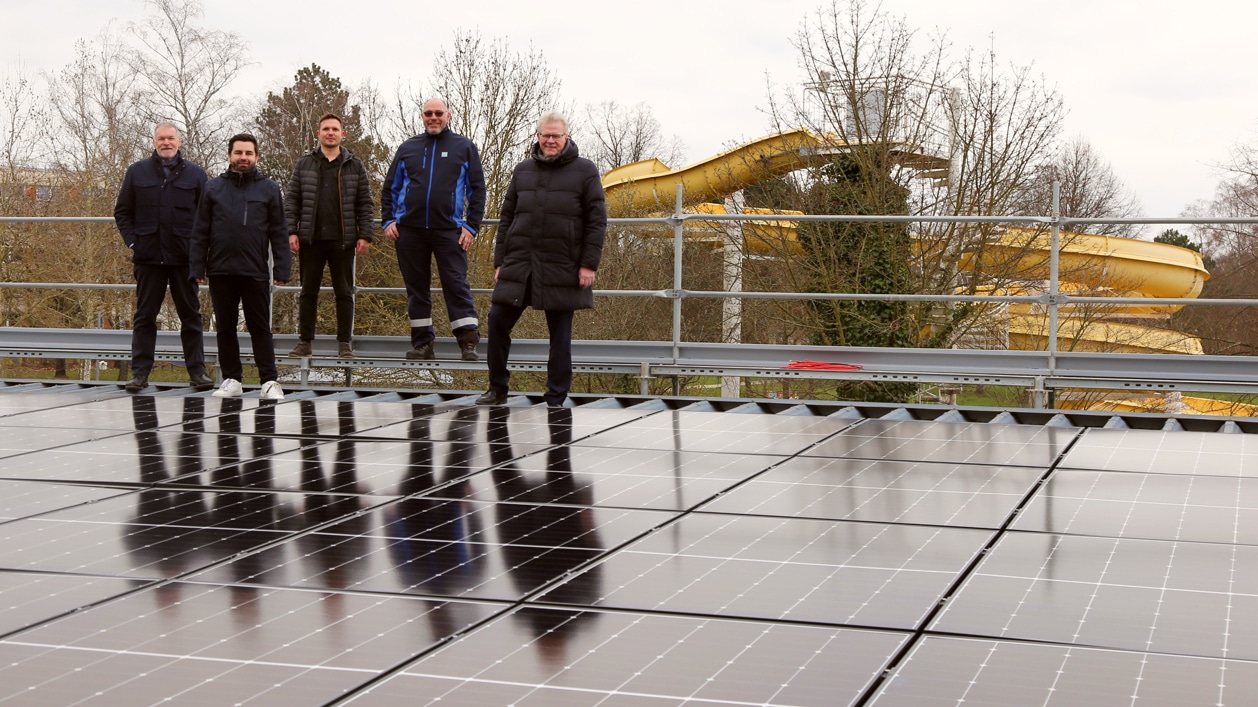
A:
(416, 248)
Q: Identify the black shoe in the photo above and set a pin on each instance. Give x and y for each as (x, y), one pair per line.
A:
(492, 397)
(200, 381)
(469, 351)
(137, 383)
(423, 352)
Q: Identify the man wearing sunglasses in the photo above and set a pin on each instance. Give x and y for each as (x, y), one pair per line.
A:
(431, 206)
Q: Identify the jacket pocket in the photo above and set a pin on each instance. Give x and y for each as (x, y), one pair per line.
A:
(255, 210)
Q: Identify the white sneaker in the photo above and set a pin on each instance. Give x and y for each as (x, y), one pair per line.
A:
(229, 389)
(271, 390)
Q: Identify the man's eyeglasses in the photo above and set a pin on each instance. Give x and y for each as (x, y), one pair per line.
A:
(551, 136)
(434, 113)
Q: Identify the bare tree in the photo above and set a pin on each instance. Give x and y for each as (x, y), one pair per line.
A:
(1089, 189)
(496, 95)
(184, 70)
(98, 127)
(906, 129)
(612, 135)
(23, 121)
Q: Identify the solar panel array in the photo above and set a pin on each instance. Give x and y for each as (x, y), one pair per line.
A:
(182, 549)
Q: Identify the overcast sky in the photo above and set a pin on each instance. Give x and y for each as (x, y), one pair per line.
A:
(1162, 89)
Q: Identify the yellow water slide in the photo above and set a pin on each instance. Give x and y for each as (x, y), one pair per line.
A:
(1089, 264)
(1100, 266)
(651, 185)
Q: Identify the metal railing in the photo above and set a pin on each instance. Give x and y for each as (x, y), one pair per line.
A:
(1037, 370)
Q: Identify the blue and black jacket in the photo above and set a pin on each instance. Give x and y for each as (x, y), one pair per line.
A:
(435, 181)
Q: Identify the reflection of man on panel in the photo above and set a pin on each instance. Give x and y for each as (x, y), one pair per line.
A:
(155, 210)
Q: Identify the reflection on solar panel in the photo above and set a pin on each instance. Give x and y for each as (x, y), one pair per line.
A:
(182, 549)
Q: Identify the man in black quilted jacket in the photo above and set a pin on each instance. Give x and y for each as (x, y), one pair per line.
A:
(154, 213)
(330, 212)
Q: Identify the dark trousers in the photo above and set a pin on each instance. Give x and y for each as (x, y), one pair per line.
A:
(502, 319)
(151, 282)
(416, 248)
(230, 294)
(340, 262)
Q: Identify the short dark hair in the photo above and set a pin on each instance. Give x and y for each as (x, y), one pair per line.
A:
(331, 116)
(241, 137)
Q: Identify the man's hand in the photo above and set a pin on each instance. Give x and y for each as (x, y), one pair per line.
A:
(586, 276)
(360, 248)
(200, 280)
(281, 282)
(466, 238)
(496, 270)
(390, 231)
(294, 243)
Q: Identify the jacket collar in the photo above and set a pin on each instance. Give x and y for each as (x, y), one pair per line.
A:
(570, 153)
(317, 153)
(242, 178)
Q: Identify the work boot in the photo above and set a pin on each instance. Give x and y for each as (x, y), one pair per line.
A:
(469, 351)
(345, 349)
(302, 349)
(200, 381)
(423, 352)
(138, 382)
(492, 397)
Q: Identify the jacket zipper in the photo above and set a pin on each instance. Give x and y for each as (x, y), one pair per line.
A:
(432, 172)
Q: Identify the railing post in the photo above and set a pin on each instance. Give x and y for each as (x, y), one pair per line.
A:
(1054, 287)
(678, 234)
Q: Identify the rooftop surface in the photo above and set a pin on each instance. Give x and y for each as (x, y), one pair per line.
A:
(177, 548)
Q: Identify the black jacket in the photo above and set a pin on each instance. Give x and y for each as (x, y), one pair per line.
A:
(155, 214)
(301, 198)
(241, 214)
(435, 181)
(552, 224)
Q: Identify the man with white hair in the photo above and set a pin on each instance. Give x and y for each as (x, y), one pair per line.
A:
(154, 213)
(548, 248)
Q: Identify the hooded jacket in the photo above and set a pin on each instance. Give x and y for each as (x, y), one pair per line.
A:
(240, 216)
(301, 198)
(435, 181)
(552, 224)
(154, 213)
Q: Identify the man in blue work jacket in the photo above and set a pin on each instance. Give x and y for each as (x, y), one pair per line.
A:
(431, 206)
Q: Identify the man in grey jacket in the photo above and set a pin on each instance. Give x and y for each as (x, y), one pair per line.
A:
(330, 216)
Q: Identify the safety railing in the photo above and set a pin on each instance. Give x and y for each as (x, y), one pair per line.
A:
(1040, 371)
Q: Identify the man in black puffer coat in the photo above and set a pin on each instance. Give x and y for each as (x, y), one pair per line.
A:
(549, 244)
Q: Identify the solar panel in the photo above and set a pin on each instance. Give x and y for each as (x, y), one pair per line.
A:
(181, 549)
